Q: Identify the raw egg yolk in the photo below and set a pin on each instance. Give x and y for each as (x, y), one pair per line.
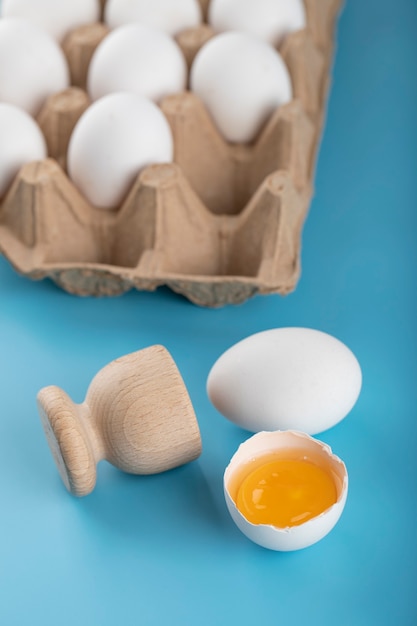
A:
(285, 492)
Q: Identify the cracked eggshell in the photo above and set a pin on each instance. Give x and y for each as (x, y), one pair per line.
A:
(286, 378)
(295, 537)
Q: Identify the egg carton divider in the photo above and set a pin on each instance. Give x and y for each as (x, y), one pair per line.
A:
(219, 225)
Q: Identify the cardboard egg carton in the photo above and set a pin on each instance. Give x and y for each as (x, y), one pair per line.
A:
(220, 224)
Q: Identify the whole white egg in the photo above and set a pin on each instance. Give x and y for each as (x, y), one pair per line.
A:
(137, 59)
(241, 80)
(21, 142)
(32, 65)
(171, 17)
(57, 17)
(271, 20)
(286, 378)
(113, 140)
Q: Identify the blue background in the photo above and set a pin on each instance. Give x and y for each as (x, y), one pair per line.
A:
(162, 550)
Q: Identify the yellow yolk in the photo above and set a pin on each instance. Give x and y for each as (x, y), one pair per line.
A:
(285, 492)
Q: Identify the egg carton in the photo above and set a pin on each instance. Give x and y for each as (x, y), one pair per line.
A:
(219, 225)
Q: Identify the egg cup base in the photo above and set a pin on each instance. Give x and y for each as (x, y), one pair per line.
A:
(68, 441)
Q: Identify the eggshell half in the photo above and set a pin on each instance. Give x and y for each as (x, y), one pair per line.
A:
(295, 537)
(286, 378)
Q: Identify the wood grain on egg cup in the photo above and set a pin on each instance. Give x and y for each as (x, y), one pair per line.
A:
(219, 225)
(137, 415)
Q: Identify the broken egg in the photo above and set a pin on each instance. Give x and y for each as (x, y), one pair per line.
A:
(285, 490)
(286, 378)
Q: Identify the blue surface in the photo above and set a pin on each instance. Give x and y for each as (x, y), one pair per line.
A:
(162, 550)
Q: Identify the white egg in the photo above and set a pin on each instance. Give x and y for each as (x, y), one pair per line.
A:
(21, 142)
(138, 59)
(57, 17)
(271, 20)
(241, 80)
(290, 537)
(32, 65)
(167, 15)
(114, 139)
(286, 378)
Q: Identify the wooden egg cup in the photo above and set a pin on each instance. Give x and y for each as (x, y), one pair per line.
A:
(219, 225)
(137, 415)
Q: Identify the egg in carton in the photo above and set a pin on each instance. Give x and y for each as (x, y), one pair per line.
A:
(220, 224)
